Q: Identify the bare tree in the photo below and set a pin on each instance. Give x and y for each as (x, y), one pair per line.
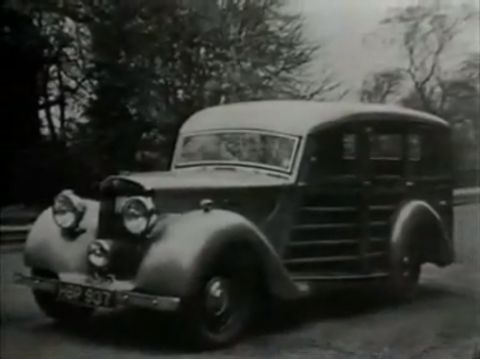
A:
(426, 32)
(470, 69)
(379, 87)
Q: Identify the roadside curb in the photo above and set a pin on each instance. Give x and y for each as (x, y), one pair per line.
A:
(466, 196)
(12, 234)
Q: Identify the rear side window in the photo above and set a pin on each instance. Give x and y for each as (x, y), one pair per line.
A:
(414, 143)
(386, 150)
(385, 146)
(350, 151)
(430, 151)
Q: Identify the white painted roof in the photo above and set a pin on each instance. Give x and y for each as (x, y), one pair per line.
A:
(295, 117)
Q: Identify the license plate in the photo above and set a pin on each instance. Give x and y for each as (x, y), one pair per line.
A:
(88, 296)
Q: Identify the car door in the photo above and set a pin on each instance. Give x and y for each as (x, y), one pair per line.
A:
(324, 239)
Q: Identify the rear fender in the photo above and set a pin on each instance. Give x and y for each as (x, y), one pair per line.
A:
(417, 223)
(50, 248)
(193, 241)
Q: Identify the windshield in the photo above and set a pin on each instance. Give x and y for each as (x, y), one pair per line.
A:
(252, 148)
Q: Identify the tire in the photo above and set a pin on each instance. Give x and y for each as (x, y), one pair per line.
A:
(222, 305)
(404, 277)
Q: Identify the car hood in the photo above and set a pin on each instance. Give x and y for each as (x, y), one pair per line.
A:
(196, 179)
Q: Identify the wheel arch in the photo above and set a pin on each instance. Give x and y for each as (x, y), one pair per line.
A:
(245, 244)
(418, 224)
(47, 247)
(195, 241)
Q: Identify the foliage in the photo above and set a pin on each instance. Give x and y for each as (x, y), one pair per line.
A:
(120, 77)
(20, 48)
(117, 78)
(65, 77)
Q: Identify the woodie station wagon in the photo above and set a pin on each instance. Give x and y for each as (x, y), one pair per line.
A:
(267, 199)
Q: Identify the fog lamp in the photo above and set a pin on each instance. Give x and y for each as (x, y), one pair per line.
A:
(99, 254)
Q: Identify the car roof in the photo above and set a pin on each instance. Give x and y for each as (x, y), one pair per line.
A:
(295, 117)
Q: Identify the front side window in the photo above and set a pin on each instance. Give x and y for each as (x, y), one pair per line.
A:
(248, 148)
(335, 152)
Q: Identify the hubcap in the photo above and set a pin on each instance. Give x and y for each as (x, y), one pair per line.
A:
(217, 297)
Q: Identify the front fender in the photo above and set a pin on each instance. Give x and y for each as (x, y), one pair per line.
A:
(417, 223)
(48, 247)
(192, 241)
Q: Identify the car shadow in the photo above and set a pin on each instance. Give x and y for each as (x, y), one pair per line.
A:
(151, 332)
(340, 304)
(131, 329)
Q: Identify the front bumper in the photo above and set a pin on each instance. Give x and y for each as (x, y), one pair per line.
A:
(123, 298)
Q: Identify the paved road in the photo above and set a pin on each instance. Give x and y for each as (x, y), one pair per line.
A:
(443, 322)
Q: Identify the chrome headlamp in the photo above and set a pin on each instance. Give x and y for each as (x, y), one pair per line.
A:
(138, 215)
(67, 210)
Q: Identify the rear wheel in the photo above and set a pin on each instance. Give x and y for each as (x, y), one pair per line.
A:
(221, 308)
(404, 277)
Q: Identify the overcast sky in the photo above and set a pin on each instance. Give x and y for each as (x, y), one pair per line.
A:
(345, 26)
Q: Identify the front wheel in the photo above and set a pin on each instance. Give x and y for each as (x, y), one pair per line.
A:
(221, 308)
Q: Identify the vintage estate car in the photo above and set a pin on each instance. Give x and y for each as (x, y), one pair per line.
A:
(267, 199)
